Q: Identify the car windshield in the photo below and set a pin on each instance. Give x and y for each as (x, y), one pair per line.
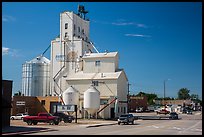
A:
(126, 115)
(123, 115)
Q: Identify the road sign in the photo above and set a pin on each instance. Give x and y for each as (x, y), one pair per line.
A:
(20, 103)
(65, 108)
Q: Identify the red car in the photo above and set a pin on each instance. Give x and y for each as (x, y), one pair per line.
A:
(163, 111)
(42, 117)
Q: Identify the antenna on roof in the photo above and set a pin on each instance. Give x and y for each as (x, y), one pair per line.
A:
(82, 11)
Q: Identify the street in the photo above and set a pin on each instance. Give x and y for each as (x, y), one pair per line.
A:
(186, 125)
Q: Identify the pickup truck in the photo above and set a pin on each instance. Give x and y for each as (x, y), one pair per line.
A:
(42, 117)
(126, 119)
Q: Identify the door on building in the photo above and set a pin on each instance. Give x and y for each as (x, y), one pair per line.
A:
(112, 112)
(53, 106)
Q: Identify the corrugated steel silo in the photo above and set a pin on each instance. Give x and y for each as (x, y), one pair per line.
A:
(36, 77)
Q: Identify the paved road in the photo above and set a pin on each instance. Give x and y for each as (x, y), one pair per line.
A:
(187, 125)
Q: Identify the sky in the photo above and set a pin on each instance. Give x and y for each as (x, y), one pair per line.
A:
(156, 41)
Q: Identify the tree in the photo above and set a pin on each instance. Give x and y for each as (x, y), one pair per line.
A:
(194, 96)
(18, 93)
(183, 93)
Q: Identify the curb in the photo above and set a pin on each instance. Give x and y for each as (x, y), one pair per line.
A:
(99, 125)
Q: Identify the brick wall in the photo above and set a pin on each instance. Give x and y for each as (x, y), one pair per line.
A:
(136, 102)
(33, 105)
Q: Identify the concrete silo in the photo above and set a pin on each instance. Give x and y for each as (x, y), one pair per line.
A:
(36, 76)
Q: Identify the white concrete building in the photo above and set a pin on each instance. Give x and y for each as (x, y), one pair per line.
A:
(75, 62)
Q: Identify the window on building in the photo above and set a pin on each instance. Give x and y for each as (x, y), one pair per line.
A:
(95, 83)
(78, 29)
(42, 102)
(74, 27)
(118, 109)
(66, 25)
(82, 31)
(66, 35)
(97, 63)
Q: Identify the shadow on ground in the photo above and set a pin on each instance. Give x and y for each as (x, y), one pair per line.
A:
(17, 130)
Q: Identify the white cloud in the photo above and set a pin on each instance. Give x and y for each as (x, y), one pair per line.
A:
(138, 35)
(139, 25)
(10, 52)
(122, 23)
(5, 51)
(6, 18)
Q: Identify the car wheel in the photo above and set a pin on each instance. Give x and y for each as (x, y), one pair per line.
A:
(35, 123)
(51, 122)
(56, 122)
(29, 122)
(118, 123)
(65, 120)
(12, 118)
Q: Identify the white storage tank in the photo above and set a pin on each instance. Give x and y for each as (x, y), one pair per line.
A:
(36, 76)
(91, 100)
(71, 96)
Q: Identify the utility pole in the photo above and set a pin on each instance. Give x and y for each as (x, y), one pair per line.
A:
(165, 89)
(164, 92)
(128, 97)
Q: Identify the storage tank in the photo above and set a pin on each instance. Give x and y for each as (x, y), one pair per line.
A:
(91, 100)
(35, 77)
(71, 96)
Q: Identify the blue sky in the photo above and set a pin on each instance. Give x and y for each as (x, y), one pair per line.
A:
(155, 40)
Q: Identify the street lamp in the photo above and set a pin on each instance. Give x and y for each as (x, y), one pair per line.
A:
(165, 87)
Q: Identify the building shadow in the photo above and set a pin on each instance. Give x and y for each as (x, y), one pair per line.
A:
(19, 130)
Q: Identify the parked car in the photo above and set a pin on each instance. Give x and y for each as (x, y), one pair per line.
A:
(42, 117)
(139, 110)
(189, 112)
(64, 117)
(163, 111)
(18, 116)
(173, 115)
(126, 119)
